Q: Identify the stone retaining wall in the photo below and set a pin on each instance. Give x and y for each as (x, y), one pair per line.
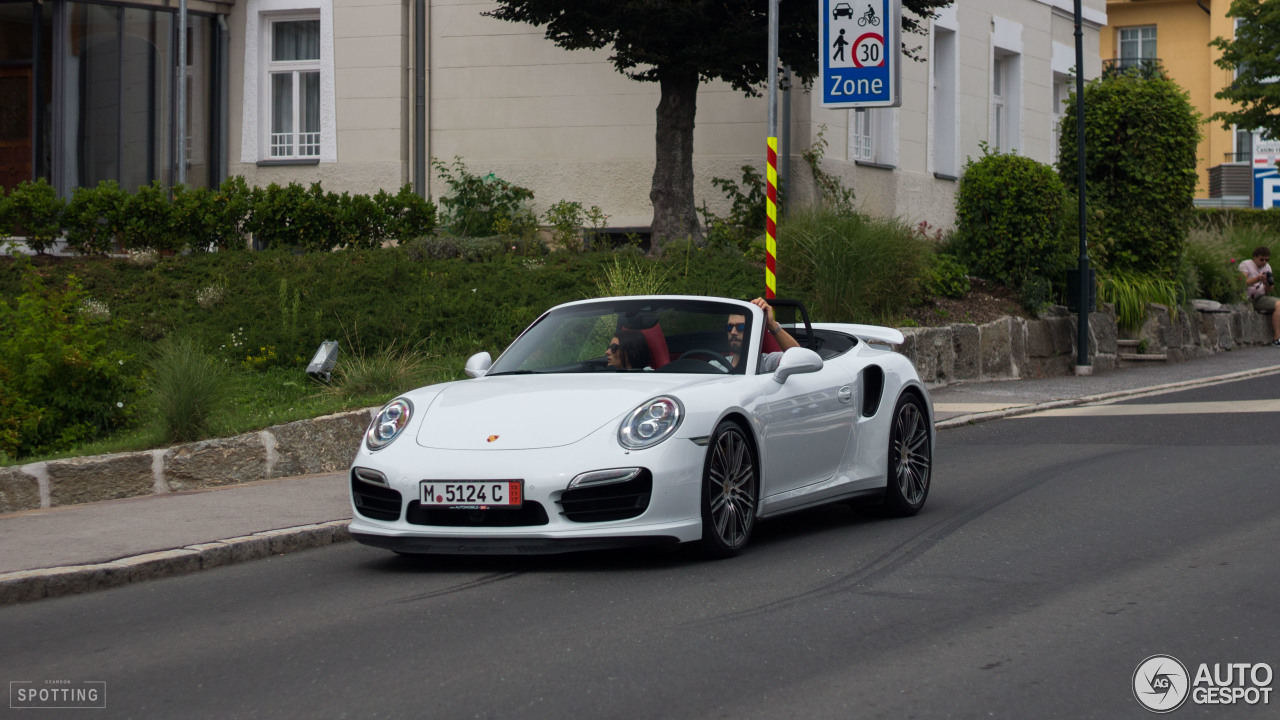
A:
(1011, 348)
(1006, 349)
(319, 445)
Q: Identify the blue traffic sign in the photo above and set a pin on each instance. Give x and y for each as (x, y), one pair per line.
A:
(858, 52)
(1266, 187)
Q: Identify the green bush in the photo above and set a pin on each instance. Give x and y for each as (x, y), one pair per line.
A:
(1266, 220)
(948, 277)
(1141, 135)
(149, 222)
(95, 217)
(408, 214)
(36, 213)
(851, 267)
(483, 206)
(1009, 221)
(187, 390)
(213, 219)
(747, 213)
(64, 383)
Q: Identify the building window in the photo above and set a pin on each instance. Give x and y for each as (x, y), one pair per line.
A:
(1005, 131)
(999, 114)
(293, 84)
(861, 142)
(1061, 96)
(1137, 44)
(944, 108)
(873, 136)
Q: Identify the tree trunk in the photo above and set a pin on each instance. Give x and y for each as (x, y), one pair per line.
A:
(674, 214)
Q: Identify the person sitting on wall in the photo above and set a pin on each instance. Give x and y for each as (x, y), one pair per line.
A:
(1260, 281)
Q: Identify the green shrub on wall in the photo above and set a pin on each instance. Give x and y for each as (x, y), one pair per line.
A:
(94, 217)
(1141, 134)
(1009, 221)
(1267, 220)
(149, 222)
(36, 213)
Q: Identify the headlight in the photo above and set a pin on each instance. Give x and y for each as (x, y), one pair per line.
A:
(651, 423)
(391, 421)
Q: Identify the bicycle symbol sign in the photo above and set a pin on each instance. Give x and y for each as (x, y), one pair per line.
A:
(858, 50)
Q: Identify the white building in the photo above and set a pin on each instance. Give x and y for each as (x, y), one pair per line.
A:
(333, 91)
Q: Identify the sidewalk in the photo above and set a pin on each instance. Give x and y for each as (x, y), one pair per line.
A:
(79, 548)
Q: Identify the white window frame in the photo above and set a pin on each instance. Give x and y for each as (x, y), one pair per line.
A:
(944, 108)
(255, 144)
(1005, 130)
(861, 135)
(294, 144)
(1138, 37)
(873, 136)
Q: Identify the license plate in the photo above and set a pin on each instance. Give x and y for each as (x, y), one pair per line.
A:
(472, 495)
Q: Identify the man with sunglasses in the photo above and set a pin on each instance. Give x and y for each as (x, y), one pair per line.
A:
(736, 327)
(1260, 280)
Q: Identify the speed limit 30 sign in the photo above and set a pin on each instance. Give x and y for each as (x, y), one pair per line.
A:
(858, 47)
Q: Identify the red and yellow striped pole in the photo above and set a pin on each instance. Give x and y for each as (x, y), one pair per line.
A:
(771, 224)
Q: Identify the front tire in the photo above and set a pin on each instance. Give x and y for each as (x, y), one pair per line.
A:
(910, 458)
(729, 489)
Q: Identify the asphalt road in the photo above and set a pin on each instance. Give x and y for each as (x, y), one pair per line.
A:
(1054, 555)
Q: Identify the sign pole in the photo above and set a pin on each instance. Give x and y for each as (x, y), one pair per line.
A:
(1083, 366)
(770, 223)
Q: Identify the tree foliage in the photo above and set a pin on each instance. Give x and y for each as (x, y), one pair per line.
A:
(679, 43)
(1254, 55)
(1141, 135)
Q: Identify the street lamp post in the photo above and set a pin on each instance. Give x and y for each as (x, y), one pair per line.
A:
(1083, 367)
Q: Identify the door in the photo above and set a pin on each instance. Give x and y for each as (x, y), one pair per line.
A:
(806, 426)
(15, 125)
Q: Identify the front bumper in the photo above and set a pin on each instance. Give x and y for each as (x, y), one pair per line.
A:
(672, 513)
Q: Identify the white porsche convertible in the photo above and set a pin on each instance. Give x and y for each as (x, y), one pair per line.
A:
(563, 444)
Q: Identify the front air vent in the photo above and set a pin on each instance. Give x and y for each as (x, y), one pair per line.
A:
(374, 499)
(615, 501)
(530, 513)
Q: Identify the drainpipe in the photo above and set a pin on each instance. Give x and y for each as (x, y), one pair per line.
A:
(181, 176)
(420, 97)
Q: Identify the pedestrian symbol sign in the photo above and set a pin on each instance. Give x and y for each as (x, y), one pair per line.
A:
(858, 52)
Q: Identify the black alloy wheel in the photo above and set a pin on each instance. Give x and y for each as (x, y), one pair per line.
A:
(729, 488)
(910, 458)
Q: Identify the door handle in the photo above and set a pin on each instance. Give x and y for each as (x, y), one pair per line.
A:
(844, 394)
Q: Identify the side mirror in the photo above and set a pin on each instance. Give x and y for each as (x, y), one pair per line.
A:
(797, 361)
(479, 364)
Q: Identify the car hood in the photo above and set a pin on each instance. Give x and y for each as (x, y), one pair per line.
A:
(524, 412)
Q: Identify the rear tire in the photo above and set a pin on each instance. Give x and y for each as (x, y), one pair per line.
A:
(729, 488)
(910, 458)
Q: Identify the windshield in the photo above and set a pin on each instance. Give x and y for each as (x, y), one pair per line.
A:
(625, 335)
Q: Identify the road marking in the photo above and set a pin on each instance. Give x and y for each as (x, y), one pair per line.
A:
(1187, 408)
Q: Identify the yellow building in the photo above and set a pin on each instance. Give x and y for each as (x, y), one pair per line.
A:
(1177, 33)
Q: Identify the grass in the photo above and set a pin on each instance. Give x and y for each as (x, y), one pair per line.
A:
(1132, 293)
(851, 267)
(187, 390)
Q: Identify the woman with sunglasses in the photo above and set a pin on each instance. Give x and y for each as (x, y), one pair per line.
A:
(628, 351)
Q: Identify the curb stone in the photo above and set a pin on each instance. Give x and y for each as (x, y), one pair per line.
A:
(27, 585)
